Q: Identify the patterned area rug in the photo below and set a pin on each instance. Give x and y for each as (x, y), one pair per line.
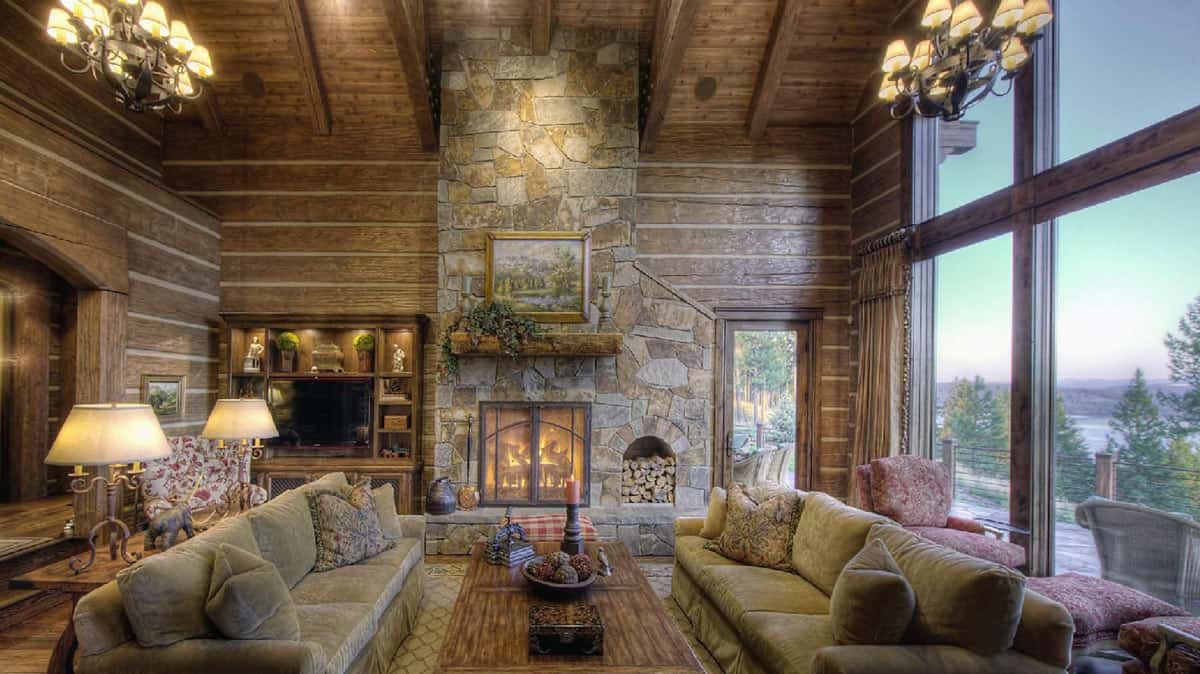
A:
(11, 547)
(419, 652)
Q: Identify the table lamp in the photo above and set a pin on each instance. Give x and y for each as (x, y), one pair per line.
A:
(243, 421)
(111, 434)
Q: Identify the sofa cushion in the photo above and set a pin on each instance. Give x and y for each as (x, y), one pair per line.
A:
(828, 535)
(961, 600)
(714, 522)
(737, 590)
(976, 545)
(402, 557)
(346, 526)
(247, 598)
(284, 530)
(341, 629)
(872, 603)
(164, 594)
(385, 508)
(692, 553)
(786, 642)
(758, 533)
(1099, 607)
(912, 490)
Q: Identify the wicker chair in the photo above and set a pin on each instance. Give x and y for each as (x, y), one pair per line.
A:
(745, 471)
(773, 465)
(1149, 550)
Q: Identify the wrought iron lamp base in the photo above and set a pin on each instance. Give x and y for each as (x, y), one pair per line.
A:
(118, 541)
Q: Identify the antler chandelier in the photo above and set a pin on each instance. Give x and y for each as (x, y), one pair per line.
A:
(152, 64)
(961, 61)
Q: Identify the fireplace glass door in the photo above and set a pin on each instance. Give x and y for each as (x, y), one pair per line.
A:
(530, 450)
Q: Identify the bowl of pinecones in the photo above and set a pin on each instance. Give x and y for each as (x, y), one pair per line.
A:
(560, 573)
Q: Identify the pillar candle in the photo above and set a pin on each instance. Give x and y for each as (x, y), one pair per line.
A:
(573, 493)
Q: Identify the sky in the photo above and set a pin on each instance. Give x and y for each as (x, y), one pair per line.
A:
(1128, 268)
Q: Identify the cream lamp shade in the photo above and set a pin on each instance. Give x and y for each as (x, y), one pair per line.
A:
(108, 433)
(240, 419)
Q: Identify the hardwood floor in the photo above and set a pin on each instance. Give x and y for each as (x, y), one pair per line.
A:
(40, 518)
(25, 648)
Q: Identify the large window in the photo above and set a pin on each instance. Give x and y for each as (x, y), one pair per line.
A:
(975, 153)
(1123, 66)
(1127, 399)
(972, 365)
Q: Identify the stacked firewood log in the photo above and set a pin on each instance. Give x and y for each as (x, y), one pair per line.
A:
(648, 480)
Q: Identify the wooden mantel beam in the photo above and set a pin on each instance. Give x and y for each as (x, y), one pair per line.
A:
(674, 20)
(306, 58)
(541, 12)
(406, 18)
(210, 112)
(775, 59)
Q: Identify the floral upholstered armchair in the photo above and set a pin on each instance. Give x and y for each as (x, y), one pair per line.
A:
(915, 492)
(212, 475)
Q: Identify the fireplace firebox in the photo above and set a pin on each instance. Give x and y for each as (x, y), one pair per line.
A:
(528, 451)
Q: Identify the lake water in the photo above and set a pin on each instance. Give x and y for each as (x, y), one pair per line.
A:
(1095, 431)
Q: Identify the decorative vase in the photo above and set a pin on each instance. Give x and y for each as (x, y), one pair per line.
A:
(364, 361)
(468, 497)
(287, 361)
(440, 499)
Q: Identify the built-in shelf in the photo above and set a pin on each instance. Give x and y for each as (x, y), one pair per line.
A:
(550, 344)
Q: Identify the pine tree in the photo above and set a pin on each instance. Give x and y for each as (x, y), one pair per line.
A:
(1139, 439)
(974, 420)
(1074, 467)
(1183, 360)
(1183, 484)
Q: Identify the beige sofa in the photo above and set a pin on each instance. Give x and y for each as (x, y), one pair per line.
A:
(352, 619)
(757, 620)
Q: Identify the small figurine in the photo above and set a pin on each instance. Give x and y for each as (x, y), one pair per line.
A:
(397, 358)
(603, 567)
(253, 361)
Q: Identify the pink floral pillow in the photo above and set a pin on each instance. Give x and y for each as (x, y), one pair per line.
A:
(911, 490)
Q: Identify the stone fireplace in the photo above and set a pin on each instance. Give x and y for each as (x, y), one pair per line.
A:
(648, 471)
(528, 451)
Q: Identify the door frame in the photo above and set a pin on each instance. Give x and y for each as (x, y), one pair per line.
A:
(807, 427)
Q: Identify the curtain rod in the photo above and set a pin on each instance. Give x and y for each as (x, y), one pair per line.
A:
(902, 235)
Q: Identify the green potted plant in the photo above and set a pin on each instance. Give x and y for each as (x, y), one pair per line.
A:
(495, 319)
(288, 344)
(364, 344)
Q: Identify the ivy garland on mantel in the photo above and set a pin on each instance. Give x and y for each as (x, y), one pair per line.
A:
(495, 319)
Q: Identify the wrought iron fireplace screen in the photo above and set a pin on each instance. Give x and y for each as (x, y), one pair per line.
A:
(529, 450)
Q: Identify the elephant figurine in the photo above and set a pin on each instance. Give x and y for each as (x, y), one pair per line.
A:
(170, 522)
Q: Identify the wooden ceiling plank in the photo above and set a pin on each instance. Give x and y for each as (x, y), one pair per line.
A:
(542, 14)
(406, 19)
(306, 57)
(672, 34)
(775, 61)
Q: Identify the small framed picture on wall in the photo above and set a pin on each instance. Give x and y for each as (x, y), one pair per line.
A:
(543, 275)
(165, 394)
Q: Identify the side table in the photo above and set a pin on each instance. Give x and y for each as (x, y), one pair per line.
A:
(58, 577)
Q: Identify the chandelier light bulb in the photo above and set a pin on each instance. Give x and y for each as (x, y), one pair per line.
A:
(183, 84)
(131, 3)
(199, 62)
(59, 27)
(1014, 56)
(1008, 14)
(1036, 16)
(896, 58)
(890, 90)
(922, 55)
(181, 38)
(98, 20)
(75, 8)
(936, 13)
(965, 20)
(154, 20)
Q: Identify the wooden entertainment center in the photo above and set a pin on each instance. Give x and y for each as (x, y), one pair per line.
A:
(378, 393)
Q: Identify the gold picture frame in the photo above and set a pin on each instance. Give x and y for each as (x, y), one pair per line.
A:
(503, 253)
(166, 394)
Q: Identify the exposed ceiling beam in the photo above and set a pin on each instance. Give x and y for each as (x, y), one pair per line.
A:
(779, 45)
(542, 14)
(406, 18)
(306, 57)
(210, 113)
(673, 24)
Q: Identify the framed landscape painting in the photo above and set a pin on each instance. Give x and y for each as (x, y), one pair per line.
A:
(164, 394)
(543, 275)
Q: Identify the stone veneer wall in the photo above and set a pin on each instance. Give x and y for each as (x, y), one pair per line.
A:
(550, 143)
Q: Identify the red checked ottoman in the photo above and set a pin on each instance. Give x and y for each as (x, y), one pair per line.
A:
(543, 528)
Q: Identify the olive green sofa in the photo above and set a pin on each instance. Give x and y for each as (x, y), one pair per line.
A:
(756, 620)
(352, 619)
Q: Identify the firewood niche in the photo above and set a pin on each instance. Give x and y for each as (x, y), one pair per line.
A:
(549, 344)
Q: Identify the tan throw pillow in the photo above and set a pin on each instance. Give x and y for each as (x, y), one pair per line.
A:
(872, 603)
(247, 598)
(385, 508)
(714, 522)
(346, 527)
(758, 534)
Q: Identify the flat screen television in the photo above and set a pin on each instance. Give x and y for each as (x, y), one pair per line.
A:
(321, 413)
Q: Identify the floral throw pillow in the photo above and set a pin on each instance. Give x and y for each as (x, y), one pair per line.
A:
(347, 527)
(758, 533)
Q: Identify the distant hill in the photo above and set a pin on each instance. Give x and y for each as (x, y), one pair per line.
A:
(1082, 397)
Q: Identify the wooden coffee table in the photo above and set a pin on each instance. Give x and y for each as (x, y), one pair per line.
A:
(489, 630)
